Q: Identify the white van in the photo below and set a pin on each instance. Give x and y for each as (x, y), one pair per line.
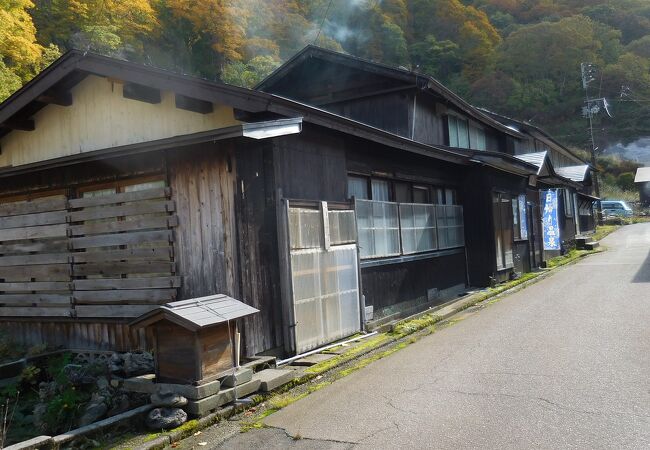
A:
(616, 208)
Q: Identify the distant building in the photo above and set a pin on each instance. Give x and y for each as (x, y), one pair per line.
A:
(643, 181)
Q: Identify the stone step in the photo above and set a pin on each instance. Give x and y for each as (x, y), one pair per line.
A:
(241, 376)
(592, 245)
(208, 404)
(273, 378)
(312, 360)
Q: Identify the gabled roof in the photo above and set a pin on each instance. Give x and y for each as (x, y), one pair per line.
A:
(538, 159)
(574, 173)
(54, 83)
(418, 80)
(642, 175)
(523, 127)
(197, 313)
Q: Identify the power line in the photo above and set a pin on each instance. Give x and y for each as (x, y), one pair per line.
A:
(327, 10)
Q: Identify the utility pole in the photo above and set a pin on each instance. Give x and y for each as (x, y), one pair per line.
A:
(588, 72)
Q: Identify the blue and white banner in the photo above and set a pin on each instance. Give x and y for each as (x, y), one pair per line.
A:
(550, 226)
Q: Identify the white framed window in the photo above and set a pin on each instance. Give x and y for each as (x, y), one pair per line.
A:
(418, 227)
(450, 225)
(378, 228)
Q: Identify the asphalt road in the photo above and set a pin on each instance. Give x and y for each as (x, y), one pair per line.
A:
(564, 363)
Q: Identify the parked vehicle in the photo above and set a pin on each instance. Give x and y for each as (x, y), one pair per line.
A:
(616, 208)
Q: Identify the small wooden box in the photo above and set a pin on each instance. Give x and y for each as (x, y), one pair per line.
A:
(194, 338)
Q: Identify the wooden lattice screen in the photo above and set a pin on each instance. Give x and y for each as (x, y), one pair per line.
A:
(101, 256)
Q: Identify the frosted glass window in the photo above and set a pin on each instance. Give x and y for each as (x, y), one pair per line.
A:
(418, 228)
(357, 187)
(450, 226)
(342, 227)
(453, 131)
(380, 190)
(305, 228)
(476, 138)
(377, 229)
(463, 136)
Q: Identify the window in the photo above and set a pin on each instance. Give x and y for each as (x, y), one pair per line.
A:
(402, 192)
(380, 190)
(418, 228)
(357, 187)
(420, 194)
(451, 232)
(378, 228)
(523, 218)
(453, 131)
(462, 134)
(503, 230)
(515, 218)
(568, 203)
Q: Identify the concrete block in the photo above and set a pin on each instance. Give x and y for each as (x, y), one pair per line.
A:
(257, 361)
(242, 375)
(34, 443)
(189, 391)
(273, 378)
(143, 384)
(208, 404)
(312, 360)
(591, 245)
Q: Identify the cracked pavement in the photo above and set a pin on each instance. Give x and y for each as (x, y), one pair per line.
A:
(564, 363)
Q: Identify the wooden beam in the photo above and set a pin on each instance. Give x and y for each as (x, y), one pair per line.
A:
(193, 104)
(142, 93)
(21, 125)
(56, 98)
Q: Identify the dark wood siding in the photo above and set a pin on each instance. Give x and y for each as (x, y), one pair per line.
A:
(258, 246)
(390, 112)
(389, 285)
(479, 184)
(203, 184)
(429, 125)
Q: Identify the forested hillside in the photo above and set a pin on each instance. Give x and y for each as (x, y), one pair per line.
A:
(517, 57)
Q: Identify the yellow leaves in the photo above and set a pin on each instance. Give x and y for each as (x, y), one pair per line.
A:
(224, 20)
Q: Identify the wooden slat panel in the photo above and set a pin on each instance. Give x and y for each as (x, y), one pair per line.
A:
(36, 286)
(30, 220)
(124, 225)
(41, 232)
(35, 299)
(131, 209)
(56, 203)
(123, 267)
(149, 194)
(49, 246)
(147, 253)
(127, 283)
(106, 240)
(50, 272)
(30, 311)
(153, 296)
(113, 311)
(46, 258)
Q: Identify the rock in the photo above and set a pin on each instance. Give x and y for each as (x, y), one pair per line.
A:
(138, 364)
(165, 418)
(77, 375)
(47, 390)
(168, 399)
(102, 383)
(120, 403)
(116, 363)
(39, 412)
(95, 410)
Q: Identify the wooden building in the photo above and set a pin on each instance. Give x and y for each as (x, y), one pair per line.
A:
(125, 187)
(642, 180)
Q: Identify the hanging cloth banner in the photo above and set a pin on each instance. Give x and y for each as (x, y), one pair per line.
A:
(550, 226)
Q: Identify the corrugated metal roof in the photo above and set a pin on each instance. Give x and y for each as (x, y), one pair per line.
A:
(642, 175)
(198, 312)
(537, 159)
(573, 173)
